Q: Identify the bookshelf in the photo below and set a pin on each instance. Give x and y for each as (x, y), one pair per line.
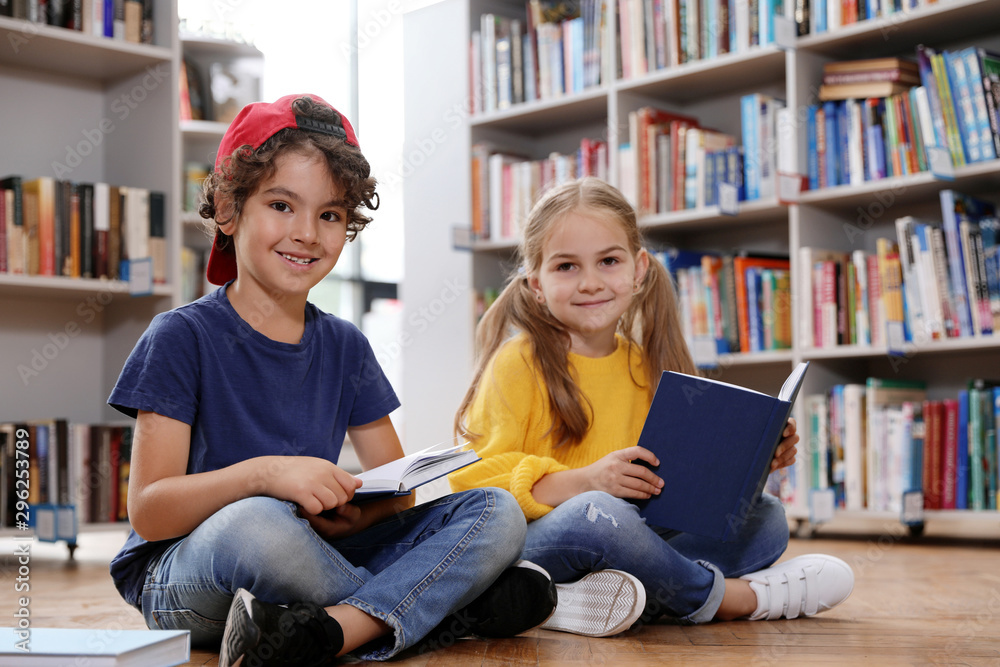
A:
(709, 90)
(88, 109)
(209, 57)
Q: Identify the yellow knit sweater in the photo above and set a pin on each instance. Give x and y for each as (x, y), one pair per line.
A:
(511, 413)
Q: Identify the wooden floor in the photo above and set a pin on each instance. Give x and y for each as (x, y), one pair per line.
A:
(916, 602)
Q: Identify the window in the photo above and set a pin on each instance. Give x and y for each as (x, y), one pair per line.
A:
(310, 46)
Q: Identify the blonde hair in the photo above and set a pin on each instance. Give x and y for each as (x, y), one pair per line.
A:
(652, 322)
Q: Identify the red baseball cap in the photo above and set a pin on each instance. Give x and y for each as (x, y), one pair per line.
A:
(253, 125)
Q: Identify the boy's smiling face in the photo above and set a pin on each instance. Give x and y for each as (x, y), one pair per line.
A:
(291, 232)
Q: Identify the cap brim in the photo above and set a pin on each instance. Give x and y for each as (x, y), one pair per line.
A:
(222, 261)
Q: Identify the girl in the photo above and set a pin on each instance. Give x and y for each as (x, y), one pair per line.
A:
(556, 410)
(243, 526)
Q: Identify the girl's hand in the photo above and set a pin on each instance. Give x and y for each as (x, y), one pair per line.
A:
(784, 455)
(339, 522)
(622, 475)
(315, 484)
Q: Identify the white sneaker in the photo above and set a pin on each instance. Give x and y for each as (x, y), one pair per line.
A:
(804, 585)
(600, 604)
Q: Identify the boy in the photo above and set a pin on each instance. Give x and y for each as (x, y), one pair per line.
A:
(242, 400)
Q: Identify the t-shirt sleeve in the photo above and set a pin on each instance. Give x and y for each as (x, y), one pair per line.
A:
(506, 414)
(161, 373)
(374, 396)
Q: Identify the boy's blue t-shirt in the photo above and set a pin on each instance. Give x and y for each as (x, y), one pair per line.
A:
(245, 395)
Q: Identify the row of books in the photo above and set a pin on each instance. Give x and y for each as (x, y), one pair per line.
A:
(657, 34)
(820, 16)
(731, 303)
(672, 163)
(52, 227)
(557, 48)
(872, 443)
(858, 134)
(934, 281)
(506, 185)
(127, 20)
(962, 88)
(86, 465)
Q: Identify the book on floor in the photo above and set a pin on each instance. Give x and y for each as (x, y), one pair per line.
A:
(400, 477)
(715, 442)
(55, 647)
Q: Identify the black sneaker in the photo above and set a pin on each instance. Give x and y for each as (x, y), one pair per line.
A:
(260, 634)
(521, 598)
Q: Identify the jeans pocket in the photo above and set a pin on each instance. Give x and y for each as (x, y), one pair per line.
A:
(203, 630)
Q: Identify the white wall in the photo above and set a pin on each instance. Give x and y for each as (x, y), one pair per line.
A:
(436, 290)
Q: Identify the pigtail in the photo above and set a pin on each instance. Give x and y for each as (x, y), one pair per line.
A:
(654, 319)
(517, 309)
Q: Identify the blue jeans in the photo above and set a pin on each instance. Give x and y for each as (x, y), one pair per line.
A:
(409, 571)
(682, 573)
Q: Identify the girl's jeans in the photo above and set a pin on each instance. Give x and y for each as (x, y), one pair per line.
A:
(682, 573)
(409, 571)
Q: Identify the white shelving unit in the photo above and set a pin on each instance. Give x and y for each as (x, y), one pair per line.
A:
(200, 138)
(88, 109)
(438, 198)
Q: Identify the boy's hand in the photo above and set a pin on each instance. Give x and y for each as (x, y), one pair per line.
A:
(341, 521)
(784, 455)
(315, 484)
(625, 473)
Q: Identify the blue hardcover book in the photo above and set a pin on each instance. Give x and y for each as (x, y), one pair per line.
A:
(675, 259)
(750, 121)
(832, 144)
(715, 442)
(576, 49)
(734, 171)
(765, 11)
(876, 153)
(979, 103)
(958, 81)
(812, 161)
(42, 454)
(818, 10)
(528, 55)
(929, 82)
(917, 434)
(962, 464)
(756, 324)
(989, 229)
(956, 207)
(109, 17)
(844, 149)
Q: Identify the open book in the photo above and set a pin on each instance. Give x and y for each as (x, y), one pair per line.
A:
(400, 477)
(715, 442)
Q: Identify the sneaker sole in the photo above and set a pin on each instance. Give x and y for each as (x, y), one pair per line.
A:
(241, 632)
(601, 604)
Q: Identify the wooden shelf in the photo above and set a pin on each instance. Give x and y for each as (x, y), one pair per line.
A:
(68, 52)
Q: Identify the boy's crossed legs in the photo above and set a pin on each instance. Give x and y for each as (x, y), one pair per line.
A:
(412, 570)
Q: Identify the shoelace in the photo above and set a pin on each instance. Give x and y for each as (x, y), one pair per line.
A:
(795, 600)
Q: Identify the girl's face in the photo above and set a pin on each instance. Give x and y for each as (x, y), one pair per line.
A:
(292, 229)
(587, 278)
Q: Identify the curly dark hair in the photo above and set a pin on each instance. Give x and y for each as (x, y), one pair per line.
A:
(240, 174)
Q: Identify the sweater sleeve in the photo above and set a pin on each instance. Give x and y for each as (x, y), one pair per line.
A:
(510, 417)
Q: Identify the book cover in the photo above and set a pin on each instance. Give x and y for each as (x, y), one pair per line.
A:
(715, 442)
(55, 647)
